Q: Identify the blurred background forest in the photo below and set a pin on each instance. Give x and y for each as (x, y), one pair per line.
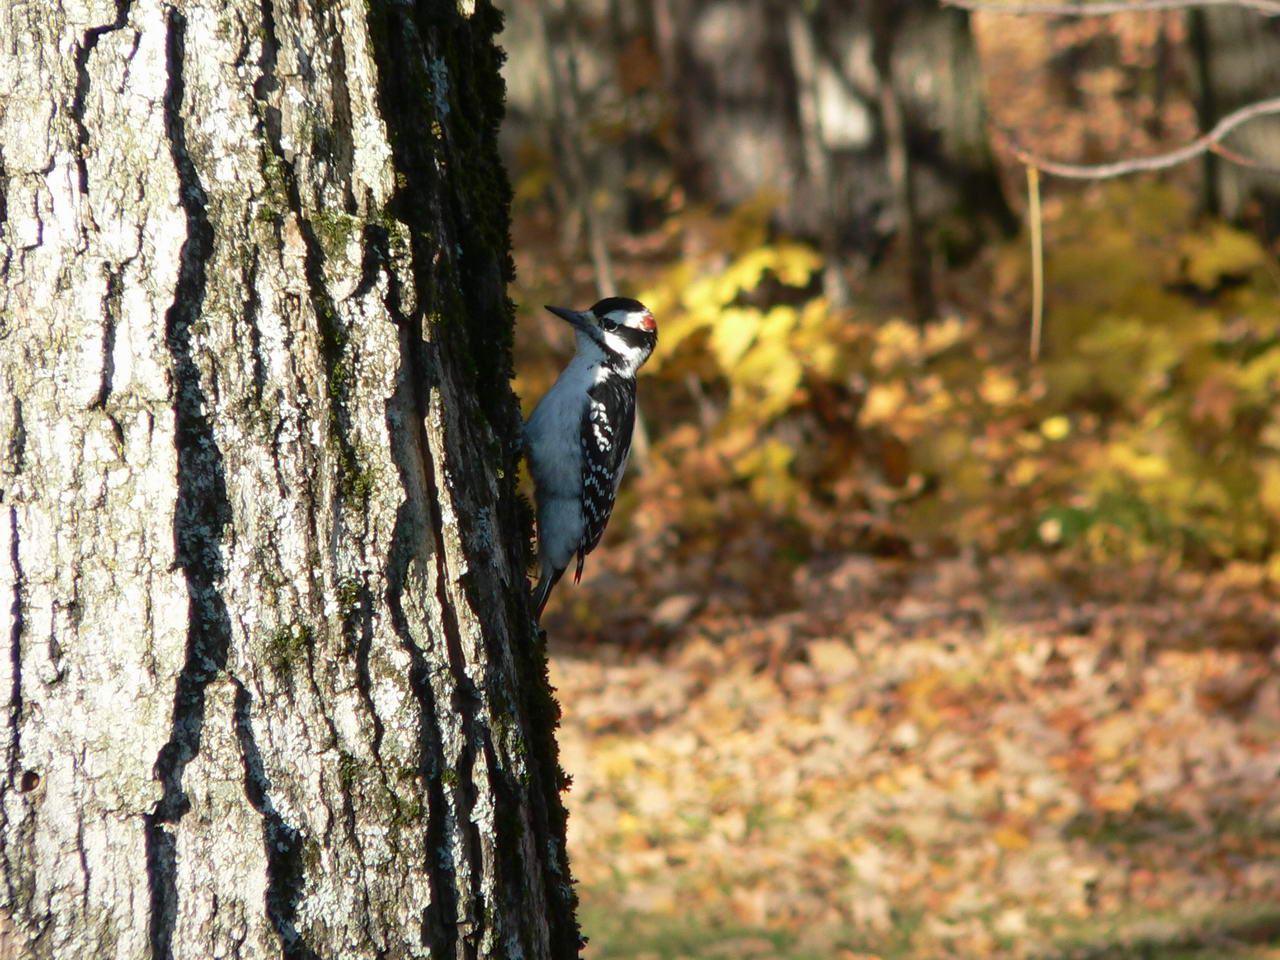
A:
(917, 631)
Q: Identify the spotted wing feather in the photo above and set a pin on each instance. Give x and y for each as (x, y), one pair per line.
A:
(607, 424)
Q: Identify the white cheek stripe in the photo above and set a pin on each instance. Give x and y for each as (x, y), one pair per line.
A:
(622, 348)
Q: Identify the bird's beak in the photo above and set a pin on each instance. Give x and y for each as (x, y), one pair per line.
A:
(572, 316)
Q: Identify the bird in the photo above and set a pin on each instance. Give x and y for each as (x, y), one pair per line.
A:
(579, 435)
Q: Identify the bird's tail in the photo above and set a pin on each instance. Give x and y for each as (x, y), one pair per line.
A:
(542, 592)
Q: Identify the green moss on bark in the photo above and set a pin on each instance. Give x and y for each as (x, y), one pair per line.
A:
(286, 647)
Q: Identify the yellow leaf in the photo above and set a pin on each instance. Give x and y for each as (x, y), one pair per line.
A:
(628, 823)
(1024, 471)
(767, 377)
(1140, 466)
(768, 465)
(1007, 838)
(744, 274)
(779, 322)
(733, 334)
(942, 336)
(886, 784)
(997, 387)
(616, 764)
(1055, 428)
(704, 294)
(1118, 799)
(1260, 375)
(676, 329)
(795, 264)
(896, 342)
(1269, 487)
(884, 400)
(1218, 252)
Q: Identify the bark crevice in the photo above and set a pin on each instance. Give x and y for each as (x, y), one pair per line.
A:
(404, 55)
(408, 444)
(110, 317)
(466, 703)
(252, 310)
(13, 774)
(353, 477)
(201, 513)
(281, 842)
(357, 625)
(16, 625)
(78, 105)
(19, 872)
(15, 779)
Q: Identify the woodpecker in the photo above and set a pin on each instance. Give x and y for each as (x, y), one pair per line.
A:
(579, 436)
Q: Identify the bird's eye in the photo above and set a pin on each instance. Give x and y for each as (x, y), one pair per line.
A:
(608, 324)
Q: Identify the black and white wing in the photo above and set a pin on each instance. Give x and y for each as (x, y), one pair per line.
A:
(607, 424)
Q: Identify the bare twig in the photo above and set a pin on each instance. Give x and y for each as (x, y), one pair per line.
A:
(1270, 8)
(1241, 160)
(1118, 168)
(1037, 259)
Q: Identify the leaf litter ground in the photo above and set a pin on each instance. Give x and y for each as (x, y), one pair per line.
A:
(927, 760)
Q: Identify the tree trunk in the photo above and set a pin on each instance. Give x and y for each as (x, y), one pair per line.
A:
(866, 119)
(1236, 60)
(272, 687)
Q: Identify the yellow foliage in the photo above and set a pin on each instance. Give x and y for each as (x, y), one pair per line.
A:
(1056, 428)
(1269, 487)
(1007, 838)
(732, 335)
(883, 402)
(772, 375)
(896, 343)
(1151, 422)
(1219, 252)
(998, 388)
(768, 467)
(1137, 465)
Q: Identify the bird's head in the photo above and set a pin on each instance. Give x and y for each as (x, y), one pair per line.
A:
(622, 328)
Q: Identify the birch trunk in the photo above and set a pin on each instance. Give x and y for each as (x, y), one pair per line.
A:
(271, 686)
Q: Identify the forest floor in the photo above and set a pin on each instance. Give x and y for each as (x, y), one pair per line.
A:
(929, 760)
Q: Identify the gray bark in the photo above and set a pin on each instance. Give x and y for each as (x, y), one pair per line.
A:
(271, 686)
(1236, 60)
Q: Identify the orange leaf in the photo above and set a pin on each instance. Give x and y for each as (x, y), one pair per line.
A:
(1008, 838)
(1118, 799)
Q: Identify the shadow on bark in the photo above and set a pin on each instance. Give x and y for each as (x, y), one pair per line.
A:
(281, 842)
(200, 515)
(439, 930)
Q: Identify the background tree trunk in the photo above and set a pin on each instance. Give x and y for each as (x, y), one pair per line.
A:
(1236, 56)
(865, 120)
(271, 685)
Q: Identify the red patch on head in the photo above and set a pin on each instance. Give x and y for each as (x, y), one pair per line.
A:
(649, 323)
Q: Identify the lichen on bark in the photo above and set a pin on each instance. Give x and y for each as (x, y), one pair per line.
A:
(272, 686)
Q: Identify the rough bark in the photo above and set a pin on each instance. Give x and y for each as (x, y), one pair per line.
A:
(271, 687)
(1236, 61)
(863, 119)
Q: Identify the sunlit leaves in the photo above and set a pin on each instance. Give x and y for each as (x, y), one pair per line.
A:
(1139, 431)
(733, 334)
(1148, 427)
(1056, 427)
(718, 320)
(1219, 253)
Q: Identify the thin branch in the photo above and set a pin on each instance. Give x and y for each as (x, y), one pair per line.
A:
(1104, 171)
(1270, 8)
(1241, 160)
(1037, 259)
